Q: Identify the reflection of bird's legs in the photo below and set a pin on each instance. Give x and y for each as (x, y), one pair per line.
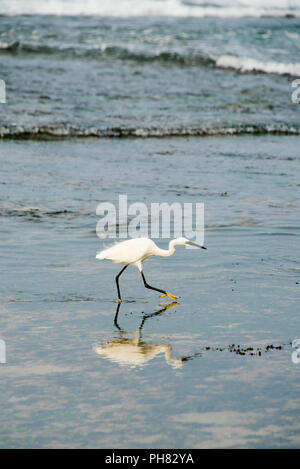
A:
(117, 282)
(165, 293)
(156, 313)
(177, 362)
(145, 317)
(116, 317)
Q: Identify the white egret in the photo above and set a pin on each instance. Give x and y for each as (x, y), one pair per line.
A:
(135, 251)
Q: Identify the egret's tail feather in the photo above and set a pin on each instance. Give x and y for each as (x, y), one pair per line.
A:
(100, 255)
(106, 254)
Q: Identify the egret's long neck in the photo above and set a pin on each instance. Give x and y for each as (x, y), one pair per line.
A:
(166, 252)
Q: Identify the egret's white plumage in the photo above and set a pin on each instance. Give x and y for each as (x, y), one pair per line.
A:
(130, 252)
(135, 251)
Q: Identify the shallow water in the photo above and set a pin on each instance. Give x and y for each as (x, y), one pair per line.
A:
(212, 371)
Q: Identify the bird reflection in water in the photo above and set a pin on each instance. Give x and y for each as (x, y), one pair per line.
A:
(135, 351)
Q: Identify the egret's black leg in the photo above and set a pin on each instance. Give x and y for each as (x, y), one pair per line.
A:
(117, 282)
(165, 293)
(152, 288)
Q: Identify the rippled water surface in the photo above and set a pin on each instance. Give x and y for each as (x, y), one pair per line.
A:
(212, 371)
(149, 76)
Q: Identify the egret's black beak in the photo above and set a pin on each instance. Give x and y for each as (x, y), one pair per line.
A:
(197, 245)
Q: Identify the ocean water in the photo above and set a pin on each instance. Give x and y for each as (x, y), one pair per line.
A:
(148, 76)
(165, 102)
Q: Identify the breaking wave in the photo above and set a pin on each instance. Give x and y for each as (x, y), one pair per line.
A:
(65, 131)
(246, 64)
(117, 52)
(177, 8)
(226, 61)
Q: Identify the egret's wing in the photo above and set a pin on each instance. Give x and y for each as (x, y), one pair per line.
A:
(128, 252)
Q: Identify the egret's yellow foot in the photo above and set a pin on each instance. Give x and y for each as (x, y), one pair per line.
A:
(170, 296)
(119, 301)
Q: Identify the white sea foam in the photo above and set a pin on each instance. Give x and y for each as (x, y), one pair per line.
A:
(246, 64)
(35, 133)
(125, 8)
